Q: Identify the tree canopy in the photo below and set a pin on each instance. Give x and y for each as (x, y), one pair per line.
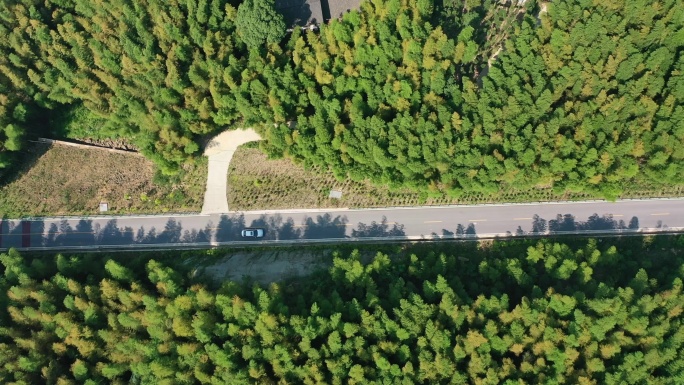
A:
(583, 97)
(258, 22)
(539, 312)
(156, 70)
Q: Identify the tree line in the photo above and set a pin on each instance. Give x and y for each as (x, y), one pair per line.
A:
(573, 311)
(584, 97)
(155, 70)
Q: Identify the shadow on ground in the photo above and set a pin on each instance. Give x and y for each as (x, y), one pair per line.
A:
(381, 229)
(26, 160)
(568, 222)
(86, 232)
(461, 231)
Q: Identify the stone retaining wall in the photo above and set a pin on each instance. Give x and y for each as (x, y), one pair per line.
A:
(87, 146)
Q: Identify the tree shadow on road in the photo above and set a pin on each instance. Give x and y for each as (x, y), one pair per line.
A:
(568, 222)
(229, 227)
(87, 232)
(465, 231)
(111, 234)
(64, 234)
(288, 230)
(376, 229)
(277, 228)
(198, 236)
(325, 226)
(445, 234)
(539, 225)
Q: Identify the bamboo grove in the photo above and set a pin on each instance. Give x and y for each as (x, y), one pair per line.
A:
(536, 312)
(582, 94)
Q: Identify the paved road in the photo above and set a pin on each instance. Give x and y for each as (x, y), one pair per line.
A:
(406, 223)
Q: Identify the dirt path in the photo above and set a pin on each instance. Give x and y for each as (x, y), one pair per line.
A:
(220, 151)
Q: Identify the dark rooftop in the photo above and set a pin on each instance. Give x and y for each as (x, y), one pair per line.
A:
(338, 8)
(300, 12)
(307, 12)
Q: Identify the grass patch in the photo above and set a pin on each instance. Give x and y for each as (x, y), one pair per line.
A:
(257, 183)
(76, 121)
(61, 180)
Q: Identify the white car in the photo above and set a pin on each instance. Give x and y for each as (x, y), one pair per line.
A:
(252, 233)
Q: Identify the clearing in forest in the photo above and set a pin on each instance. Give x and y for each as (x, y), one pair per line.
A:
(61, 180)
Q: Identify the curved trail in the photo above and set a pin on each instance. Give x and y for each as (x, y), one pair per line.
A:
(220, 151)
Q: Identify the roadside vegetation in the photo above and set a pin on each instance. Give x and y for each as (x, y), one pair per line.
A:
(585, 98)
(256, 182)
(61, 180)
(534, 311)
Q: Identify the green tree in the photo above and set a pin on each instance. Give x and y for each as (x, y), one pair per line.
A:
(258, 22)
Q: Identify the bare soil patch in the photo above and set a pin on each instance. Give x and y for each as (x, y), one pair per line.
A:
(62, 180)
(258, 183)
(264, 266)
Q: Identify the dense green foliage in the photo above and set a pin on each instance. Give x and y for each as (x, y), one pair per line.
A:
(381, 95)
(489, 22)
(540, 312)
(76, 121)
(593, 96)
(154, 69)
(585, 98)
(588, 99)
(258, 22)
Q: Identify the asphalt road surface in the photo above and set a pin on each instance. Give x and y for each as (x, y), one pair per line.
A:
(312, 225)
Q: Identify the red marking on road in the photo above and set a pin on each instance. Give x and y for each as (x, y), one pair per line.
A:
(25, 234)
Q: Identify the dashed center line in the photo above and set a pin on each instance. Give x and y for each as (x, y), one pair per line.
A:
(522, 219)
(345, 224)
(660, 214)
(477, 220)
(617, 215)
(433, 221)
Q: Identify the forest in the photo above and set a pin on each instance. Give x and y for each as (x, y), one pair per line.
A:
(552, 311)
(582, 95)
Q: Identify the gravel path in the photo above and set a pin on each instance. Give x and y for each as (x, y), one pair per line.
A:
(220, 151)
